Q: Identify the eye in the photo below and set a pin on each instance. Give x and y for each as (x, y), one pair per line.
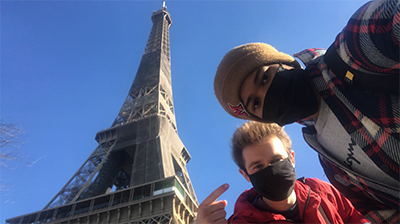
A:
(258, 167)
(275, 160)
(265, 77)
(257, 103)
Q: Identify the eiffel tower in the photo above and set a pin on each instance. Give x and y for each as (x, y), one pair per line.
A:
(137, 174)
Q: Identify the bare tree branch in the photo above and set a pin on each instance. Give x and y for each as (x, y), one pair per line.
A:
(9, 135)
(10, 141)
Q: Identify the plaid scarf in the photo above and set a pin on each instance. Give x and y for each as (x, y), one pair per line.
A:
(369, 44)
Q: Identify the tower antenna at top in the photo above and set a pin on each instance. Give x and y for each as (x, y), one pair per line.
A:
(163, 4)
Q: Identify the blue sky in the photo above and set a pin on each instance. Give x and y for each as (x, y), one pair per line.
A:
(67, 66)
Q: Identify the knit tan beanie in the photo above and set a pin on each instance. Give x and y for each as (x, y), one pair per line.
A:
(236, 65)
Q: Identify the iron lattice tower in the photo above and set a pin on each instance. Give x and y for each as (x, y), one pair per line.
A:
(137, 174)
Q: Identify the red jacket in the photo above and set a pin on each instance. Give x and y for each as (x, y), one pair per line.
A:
(310, 196)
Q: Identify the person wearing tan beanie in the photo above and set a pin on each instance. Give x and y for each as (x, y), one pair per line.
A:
(347, 98)
(249, 70)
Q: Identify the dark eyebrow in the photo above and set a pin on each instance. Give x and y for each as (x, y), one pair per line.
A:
(246, 105)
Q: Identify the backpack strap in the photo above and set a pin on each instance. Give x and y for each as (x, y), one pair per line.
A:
(320, 209)
(381, 83)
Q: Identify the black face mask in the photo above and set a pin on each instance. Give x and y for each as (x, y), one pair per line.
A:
(275, 182)
(290, 97)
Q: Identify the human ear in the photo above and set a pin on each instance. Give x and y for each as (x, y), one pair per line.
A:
(244, 174)
(292, 158)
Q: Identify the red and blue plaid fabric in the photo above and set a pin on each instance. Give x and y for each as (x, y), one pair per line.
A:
(369, 44)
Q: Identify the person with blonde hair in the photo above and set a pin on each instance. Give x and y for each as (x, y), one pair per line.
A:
(264, 155)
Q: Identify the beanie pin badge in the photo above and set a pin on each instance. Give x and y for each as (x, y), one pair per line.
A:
(239, 109)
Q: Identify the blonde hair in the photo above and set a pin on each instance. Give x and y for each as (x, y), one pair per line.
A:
(253, 132)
